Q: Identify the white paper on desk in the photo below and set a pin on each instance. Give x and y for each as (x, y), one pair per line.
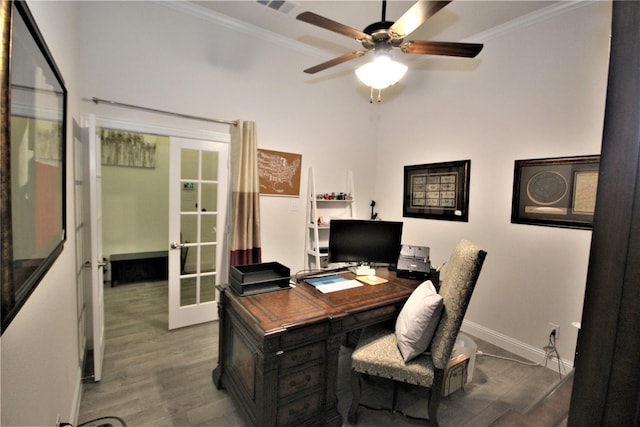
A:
(338, 286)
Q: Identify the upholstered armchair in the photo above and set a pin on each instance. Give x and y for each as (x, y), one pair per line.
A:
(377, 352)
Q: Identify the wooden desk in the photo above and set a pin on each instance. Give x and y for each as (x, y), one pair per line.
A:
(278, 351)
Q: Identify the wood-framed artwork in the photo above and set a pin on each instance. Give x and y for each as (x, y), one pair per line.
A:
(32, 156)
(437, 191)
(279, 173)
(555, 192)
(129, 149)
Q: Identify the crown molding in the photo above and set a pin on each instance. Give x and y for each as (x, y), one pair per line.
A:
(532, 18)
(238, 25)
(197, 11)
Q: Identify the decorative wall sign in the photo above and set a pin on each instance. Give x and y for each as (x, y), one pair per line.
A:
(32, 157)
(558, 192)
(279, 173)
(437, 191)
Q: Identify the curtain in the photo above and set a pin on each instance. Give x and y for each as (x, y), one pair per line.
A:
(245, 194)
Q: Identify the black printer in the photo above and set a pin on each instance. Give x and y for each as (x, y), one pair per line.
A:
(413, 263)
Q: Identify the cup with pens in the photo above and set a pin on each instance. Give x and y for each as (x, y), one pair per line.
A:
(434, 274)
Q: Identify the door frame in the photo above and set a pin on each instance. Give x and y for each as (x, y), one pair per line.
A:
(143, 126)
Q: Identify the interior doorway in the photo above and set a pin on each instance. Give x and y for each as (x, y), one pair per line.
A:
(135, 177)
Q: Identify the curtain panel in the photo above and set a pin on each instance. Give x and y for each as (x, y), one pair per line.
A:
(245, 246)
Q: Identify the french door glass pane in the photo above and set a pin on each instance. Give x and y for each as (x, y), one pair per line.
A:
(209, 165)
(209, 197)
(188, 291)
(189, 164)
(207, 258)
(207, 288)
(208, 230)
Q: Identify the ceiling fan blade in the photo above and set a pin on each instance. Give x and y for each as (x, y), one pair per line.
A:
(335, 61)
(416, 16)
(328, 24)
(467, 50)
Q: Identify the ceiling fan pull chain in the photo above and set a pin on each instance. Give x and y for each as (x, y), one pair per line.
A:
(379, 95)
(371, 95)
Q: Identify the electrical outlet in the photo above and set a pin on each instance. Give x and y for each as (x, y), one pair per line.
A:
(554, 327)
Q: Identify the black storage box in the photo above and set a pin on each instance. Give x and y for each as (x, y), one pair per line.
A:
(257, 278)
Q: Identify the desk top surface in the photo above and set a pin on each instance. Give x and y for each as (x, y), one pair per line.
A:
(302, 304)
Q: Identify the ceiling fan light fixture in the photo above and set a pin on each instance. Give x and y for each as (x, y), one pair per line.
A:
(382, 72)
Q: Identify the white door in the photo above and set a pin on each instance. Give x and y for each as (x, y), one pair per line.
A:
(96, 261)
(198, 193)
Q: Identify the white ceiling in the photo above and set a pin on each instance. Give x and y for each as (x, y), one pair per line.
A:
(458, 21)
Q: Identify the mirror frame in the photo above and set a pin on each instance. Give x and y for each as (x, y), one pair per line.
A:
(15, 289)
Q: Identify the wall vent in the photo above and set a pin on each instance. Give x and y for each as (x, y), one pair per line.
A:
(279, 5)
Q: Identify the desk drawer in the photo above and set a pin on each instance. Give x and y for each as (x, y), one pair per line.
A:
(369, 317)
(299, 410)
(302, 355)
(299, 381)
(295, 337)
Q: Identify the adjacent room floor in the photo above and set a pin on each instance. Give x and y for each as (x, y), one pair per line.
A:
(156, 377)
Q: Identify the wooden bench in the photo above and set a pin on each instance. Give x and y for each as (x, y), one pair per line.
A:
(139, 267)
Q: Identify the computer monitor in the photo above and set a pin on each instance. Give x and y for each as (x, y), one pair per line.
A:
(364, 241)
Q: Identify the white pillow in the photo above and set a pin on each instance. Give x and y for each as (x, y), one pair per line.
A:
(418, 320)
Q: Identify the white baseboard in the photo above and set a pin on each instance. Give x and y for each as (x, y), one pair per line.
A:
(514, 346)
(77, 398)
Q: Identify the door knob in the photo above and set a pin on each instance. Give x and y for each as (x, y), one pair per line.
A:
(103, 263)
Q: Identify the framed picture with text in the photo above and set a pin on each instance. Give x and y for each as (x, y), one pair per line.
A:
(437, 191)
(555, 192)
(279, 173)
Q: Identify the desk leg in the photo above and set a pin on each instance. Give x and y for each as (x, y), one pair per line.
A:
(216, 374)
(333, 417)
(216, 377)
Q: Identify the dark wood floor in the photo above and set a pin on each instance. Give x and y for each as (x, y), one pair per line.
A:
(156, 377)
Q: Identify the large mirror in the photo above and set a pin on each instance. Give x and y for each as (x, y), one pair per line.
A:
(32, 156)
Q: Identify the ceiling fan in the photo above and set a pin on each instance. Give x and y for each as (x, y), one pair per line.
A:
(384, 35)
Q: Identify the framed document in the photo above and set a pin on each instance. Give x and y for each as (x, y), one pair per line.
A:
(557, 192)
(437, 191)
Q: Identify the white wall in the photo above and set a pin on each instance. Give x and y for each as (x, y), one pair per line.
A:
(40, 366)
(537, 92)
(181, 63)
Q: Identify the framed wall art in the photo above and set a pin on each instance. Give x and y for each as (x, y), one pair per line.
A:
(130, 149)
(556, 192)
(32, 153)
(279, 173)
(437, 191)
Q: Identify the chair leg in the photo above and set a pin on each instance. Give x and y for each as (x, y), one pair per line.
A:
(355, 397)
(435, 396)
(394, 399)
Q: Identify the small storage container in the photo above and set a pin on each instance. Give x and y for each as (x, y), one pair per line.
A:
(258, 278)
(455, 377)
(465, 345)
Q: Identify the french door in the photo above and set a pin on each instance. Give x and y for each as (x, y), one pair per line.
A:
(96, 262)
(198, 198)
